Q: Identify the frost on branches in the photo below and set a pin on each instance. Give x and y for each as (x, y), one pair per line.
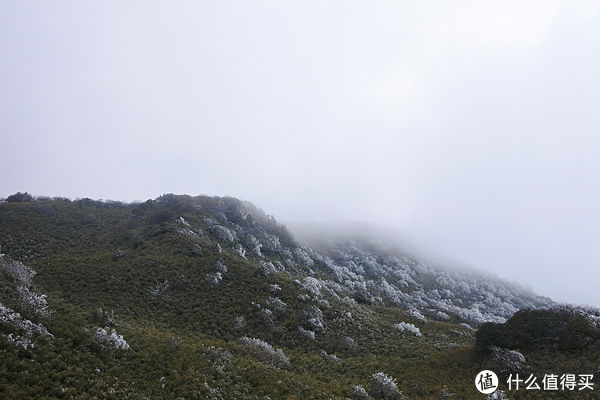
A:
(17, 269)
(310, 335)
(510, 361)
(108, 338)
(497, 395)
(265, 352)
(23, 329)
(384, 386)
(406, 327)
(19, 341)
(32, 303)
(214, 279)
(359, 393)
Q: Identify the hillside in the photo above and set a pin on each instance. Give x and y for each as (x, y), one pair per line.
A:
(209, 297)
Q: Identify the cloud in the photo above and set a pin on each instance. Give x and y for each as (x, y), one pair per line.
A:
(470, 124)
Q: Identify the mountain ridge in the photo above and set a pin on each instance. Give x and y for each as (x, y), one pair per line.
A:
(223, 280)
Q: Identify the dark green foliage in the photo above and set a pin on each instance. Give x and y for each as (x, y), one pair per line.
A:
(492, 334)
(129, 267)
(560, 328)
(19, 197)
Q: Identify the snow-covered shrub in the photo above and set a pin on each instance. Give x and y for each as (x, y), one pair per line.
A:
(17, 270)
(265, 352)
(407, 327)
(213, 279)
(384, 386)
(108, 338)
(497, 395)
(329, 357)
(417, 315)
(272, 242)
(359, 393)
(186, 228)
(510, 361)
(274, 288)
(223, 233)
(302, 255)
(19, 342)
(221, 267)
(255, 245)
(32, 302)
(306, 333)
(268, 267)
(467, 326)
(240, 251)
(14, 321)
(276, 304)
(312, 286)
(440, 316)
(314, 318)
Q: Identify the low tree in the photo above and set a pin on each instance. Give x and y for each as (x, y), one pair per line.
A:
(19, 197)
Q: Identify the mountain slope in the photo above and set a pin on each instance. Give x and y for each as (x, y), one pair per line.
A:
(207, 297)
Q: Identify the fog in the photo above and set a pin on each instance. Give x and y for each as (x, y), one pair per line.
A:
(471, 127)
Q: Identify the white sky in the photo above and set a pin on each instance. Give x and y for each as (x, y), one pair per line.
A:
(473, 126)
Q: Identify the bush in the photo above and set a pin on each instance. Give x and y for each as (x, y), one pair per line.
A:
(406, 327)
(384, 386)
(265, 352)
(359, 393)
(109, 339)
(19, 197)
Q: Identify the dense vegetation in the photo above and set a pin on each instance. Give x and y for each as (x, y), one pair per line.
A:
(210, 298)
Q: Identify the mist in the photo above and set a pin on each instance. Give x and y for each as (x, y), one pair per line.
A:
(470, 128)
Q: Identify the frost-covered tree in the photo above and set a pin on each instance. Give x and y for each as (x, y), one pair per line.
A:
(417, 315)
(329, 357)
(497, 395)
(15, 320)
(221, 267)
(359, 393)
(509, 361)
(109, 339)
(240, 251)
(407, 327)
(19, 342)
(307, 334)
(21, 272)
(265, 352)
(213, 279)
(384, 386)
(32, 303)
(314, 318)
(276, 304)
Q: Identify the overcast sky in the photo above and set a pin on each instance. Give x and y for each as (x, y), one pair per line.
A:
(474, 127)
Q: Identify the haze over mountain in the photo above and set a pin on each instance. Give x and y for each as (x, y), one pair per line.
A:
(472, 127)
(212, 298)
